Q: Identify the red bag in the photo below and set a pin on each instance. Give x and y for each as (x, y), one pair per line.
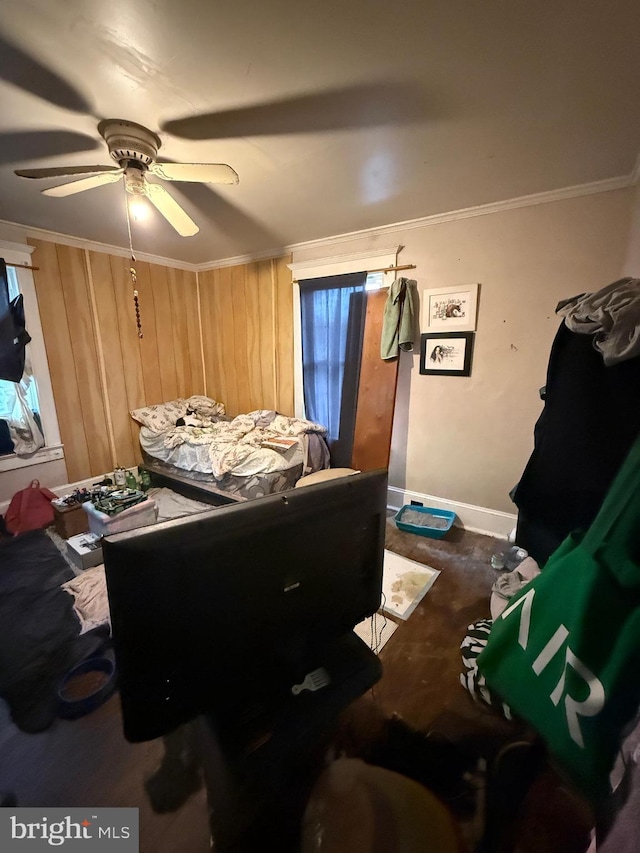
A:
(30, 509)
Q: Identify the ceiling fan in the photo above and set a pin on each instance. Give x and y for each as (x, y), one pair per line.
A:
(135, 150)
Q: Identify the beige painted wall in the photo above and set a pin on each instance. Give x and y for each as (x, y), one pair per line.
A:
(49, 474)
(632, 259)
(468, 439)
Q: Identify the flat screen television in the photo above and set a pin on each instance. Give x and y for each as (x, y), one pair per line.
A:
(218, 612)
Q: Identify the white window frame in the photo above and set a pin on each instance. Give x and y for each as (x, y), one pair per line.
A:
(323, 267)
(19, 254)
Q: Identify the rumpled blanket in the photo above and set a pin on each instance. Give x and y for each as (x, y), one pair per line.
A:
(91, 603)
(235, 447)
(612, 316)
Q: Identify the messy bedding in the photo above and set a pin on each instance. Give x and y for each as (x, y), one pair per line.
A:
(198, 437)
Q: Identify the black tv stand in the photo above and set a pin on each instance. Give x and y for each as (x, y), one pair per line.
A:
(258, 778)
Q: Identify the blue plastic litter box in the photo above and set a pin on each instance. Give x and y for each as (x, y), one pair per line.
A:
(425, 529)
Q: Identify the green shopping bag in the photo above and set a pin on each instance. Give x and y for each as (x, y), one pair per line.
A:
(565, 653)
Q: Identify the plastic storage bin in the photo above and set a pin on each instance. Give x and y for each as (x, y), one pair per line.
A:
(425, 529)
(140, 515)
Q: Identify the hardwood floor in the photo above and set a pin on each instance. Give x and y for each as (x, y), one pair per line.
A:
(88, 762)
(420, 684)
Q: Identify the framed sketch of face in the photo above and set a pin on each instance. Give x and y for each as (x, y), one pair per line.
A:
(446, 353)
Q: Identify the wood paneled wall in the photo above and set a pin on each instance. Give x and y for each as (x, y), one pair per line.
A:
(70, 338)
(100, 369)
(247, 332)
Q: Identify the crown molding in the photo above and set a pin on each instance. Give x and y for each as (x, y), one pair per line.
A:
(93, 246)
(607, 185)
(547, 197)
(239, 260)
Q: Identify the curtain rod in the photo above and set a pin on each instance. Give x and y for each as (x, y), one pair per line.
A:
(393, 269)
(382, 269)
(22, 267)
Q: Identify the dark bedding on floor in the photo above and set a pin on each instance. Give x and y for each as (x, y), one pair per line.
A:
(39, 632)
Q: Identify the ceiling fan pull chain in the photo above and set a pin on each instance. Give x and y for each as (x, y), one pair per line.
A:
(132, 269)
(136, 301)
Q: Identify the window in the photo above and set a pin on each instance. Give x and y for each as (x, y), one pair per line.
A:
(19, 406)
(327, 267)
(375, 280)
(7, 390)
(34, 393)
(332, 323)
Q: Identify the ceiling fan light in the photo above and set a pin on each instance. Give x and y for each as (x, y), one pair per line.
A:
(139, 209)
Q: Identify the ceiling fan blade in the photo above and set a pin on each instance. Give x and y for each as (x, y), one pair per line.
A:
(64, 170)
(84, 184)
(360, 105)
(22, 70)
(200, 173)
(171, 210)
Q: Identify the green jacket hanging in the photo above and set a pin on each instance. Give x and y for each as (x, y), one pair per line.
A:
(399, 320)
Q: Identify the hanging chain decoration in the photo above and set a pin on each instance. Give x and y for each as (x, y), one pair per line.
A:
(132, 269)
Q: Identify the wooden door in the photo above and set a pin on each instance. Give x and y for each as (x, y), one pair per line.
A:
(376, 393)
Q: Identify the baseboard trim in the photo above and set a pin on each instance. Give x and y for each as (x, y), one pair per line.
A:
(479, 519)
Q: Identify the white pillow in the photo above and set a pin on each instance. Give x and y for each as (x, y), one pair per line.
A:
(163, 416)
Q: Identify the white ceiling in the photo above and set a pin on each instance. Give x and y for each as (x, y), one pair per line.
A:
(389, 111)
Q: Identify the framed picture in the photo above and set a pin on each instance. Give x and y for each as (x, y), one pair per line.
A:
(450, 308)
(446, 353)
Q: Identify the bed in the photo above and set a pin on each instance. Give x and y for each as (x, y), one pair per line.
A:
(192, 440)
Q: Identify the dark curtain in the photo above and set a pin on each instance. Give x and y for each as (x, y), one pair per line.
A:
(332, 322)
(13, 334)
(4, 290)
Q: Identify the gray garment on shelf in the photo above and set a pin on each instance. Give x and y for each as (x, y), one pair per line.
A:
(612, 316)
